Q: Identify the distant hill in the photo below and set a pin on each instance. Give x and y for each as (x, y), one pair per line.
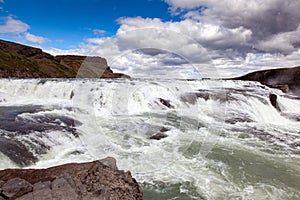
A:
(20, 61)
(286, 79)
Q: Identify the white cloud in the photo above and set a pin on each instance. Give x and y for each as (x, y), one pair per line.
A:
(227, 37)
(13, 26)
(106, 47)
(16, 27)
(55, 51)
(186, 4)
(252, 62)
(99, 32)
(207, 49)
(266, 21)
(188, 38)
(35, 39)
(158, 65)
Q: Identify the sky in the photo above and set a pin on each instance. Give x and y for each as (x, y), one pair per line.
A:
(162, 38)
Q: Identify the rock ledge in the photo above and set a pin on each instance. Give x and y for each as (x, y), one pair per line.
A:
(93, 180)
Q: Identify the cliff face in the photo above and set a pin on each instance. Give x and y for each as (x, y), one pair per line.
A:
(286, 79)
(89, 67)
(20, 61)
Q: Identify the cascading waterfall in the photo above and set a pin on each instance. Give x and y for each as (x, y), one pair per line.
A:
(222, 139)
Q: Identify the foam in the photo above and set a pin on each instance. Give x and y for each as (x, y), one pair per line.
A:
(117, 117)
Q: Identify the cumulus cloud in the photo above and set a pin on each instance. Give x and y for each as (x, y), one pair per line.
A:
(13, 26)
(137, 61)
(231, 37)
(252, 62)
(189, 38)
(35, 39)
(265, 20)
(161, 65)
(107, 47)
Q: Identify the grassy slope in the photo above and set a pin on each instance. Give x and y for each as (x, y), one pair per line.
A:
(20, 61)
(39, 64)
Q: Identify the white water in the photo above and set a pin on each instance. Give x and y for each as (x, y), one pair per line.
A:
(225, 139)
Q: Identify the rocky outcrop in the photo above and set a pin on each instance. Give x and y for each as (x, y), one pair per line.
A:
(273, 100)
(158, 136)
(285, 79)
(89, 67)
(165, 102)
(20, 61)
(94, 180)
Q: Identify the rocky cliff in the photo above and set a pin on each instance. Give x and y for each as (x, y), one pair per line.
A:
(285, 79)
(89, 67)
(77, 181)
(20, 61)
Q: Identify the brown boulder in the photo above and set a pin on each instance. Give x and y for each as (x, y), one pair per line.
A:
(65, 187)
(42, 189)
(15, 188)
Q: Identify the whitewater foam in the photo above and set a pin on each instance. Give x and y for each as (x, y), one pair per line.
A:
(218, 133)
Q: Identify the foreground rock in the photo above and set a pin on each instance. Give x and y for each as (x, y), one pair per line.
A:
(94, 180)
(20, 61)
(285, 79)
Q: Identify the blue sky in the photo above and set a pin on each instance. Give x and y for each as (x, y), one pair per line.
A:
(162, 37)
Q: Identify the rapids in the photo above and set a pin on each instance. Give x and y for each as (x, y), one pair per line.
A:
(224, 140)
